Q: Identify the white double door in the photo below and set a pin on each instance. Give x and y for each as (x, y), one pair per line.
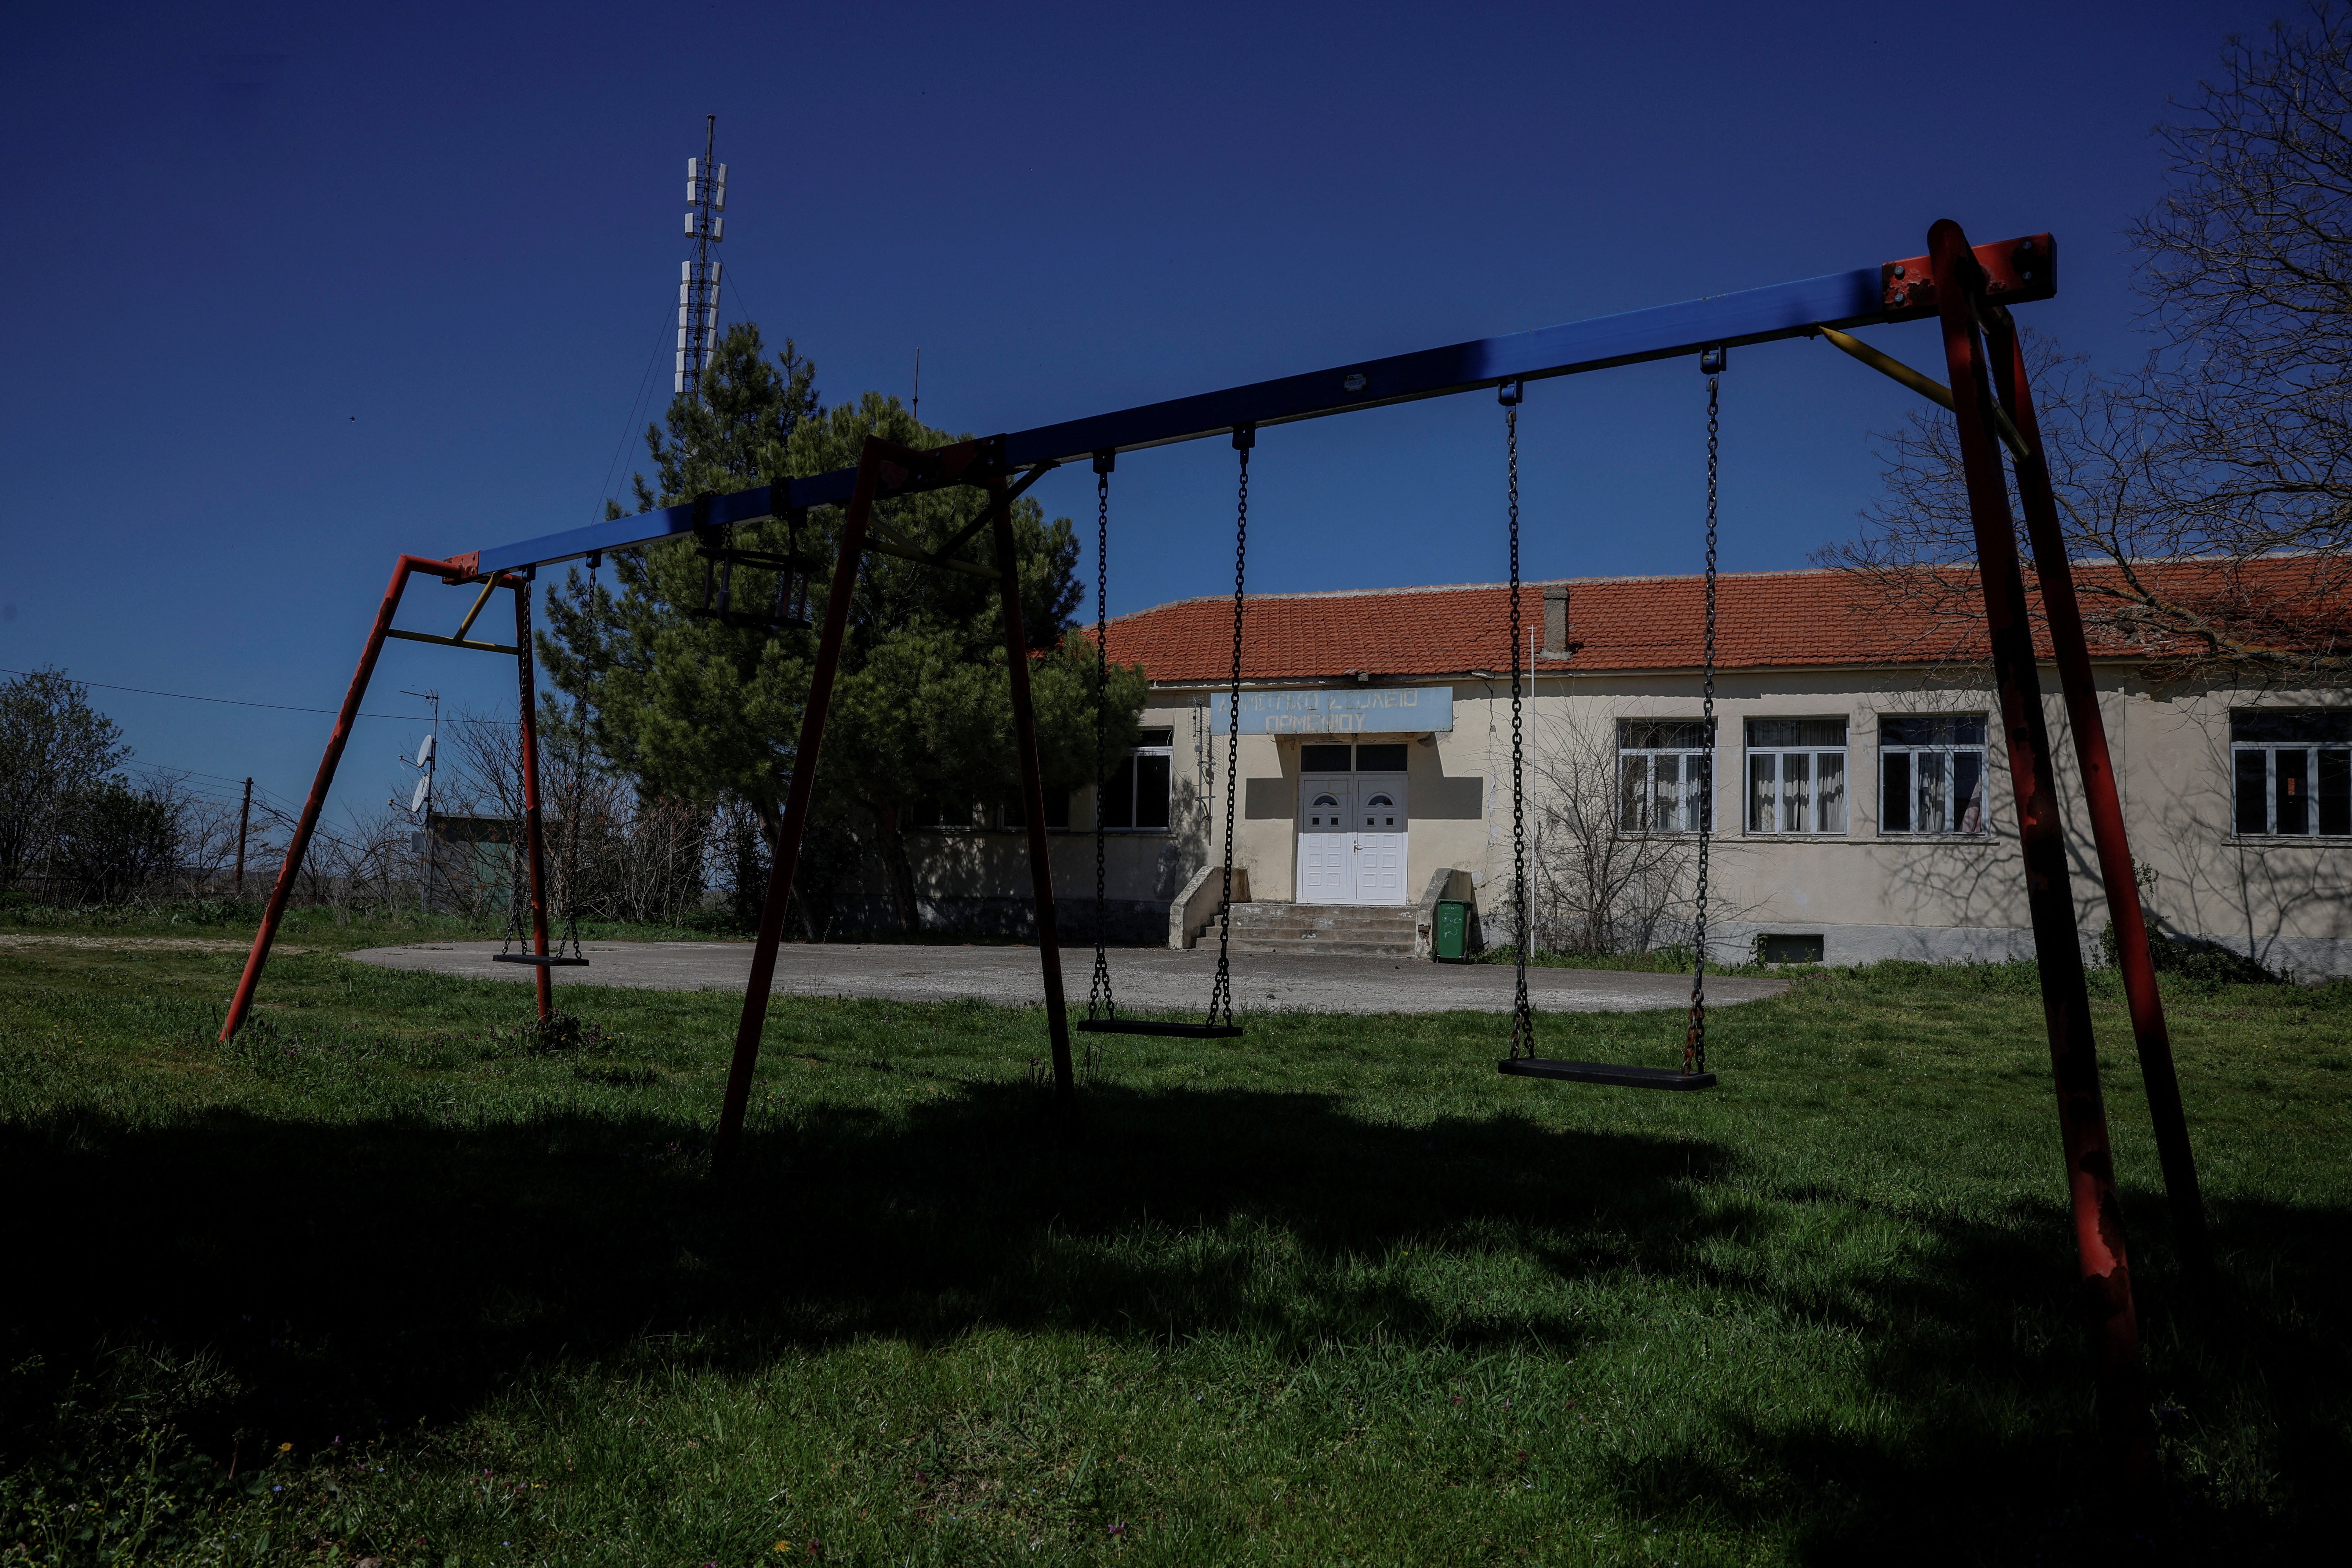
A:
(1351, 838)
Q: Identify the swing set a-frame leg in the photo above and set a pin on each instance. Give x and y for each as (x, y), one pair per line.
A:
(856, 522)
(856, 519)
(2109, 1312)
(534, 836)
(1032, 797)
(2063, 610)
(299, 845)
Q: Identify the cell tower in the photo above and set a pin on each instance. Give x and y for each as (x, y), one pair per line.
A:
(697, 288)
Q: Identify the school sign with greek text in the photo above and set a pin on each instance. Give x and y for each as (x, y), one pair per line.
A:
(1344, 711)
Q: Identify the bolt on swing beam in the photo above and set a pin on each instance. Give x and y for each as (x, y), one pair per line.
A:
(2016, 271)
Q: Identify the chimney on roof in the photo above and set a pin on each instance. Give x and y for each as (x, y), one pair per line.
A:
(1554, 631)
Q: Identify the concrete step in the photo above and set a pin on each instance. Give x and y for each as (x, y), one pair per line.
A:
(1311, 946)
(1364, 931)
(1330, 917)
(1271, 932)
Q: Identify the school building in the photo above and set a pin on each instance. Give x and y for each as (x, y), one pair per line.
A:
(1858, 801)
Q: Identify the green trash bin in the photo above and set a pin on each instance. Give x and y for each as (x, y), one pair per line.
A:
(1450, 943)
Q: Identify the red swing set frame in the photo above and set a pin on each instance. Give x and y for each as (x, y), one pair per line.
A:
(1965, 288)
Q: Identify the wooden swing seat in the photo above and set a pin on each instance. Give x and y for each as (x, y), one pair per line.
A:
(1604, 1072)
(544, 960)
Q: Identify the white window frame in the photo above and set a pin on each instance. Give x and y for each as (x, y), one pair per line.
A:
(1812, 756)
(1134, 772)
(2317, 760)
(1945, 752)
(1687, 760)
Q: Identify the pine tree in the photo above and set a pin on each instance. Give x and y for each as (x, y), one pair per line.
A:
(922, 713)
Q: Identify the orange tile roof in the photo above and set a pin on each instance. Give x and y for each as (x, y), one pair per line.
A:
(1764, 619)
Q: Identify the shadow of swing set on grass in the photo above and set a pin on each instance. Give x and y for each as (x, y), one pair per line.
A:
(358, 1276)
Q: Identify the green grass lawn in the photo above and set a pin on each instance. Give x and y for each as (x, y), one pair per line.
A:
(1336, 1293)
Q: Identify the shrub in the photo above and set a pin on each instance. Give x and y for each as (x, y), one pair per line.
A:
(2194, 959)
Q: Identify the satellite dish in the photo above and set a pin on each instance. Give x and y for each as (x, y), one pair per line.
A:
(416, 801)
(425, 752)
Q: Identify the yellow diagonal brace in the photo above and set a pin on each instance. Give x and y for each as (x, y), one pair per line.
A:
(1925, 386)
(489, 584)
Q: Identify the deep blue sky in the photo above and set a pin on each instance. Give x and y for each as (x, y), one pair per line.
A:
(293, 289)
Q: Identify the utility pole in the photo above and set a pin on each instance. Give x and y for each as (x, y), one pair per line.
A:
(918, 410)
(244, 822)
(697, 288)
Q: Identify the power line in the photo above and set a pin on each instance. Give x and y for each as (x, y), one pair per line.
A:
(265, 800)
(191, 772)
(261, 793)
(742, 300)
(231, 701)
(603, 491)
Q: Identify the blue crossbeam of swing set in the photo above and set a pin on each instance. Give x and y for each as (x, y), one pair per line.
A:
(1752, 316)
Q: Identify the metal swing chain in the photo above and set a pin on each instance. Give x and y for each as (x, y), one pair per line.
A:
(515, 899)
(1695, 1041)
(572, 826)
(1098, 992)
(1523, 1021)
(1221, 995)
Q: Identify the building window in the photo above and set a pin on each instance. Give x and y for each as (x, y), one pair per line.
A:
(1931, 772)
(1665, 780)
(1381, 758)
(1796, 776)
(2292, 770)
(1134, 799)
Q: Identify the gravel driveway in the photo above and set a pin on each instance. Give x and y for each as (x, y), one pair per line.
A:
(1148, 980)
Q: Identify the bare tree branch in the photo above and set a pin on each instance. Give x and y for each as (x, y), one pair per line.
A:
(2208, 491)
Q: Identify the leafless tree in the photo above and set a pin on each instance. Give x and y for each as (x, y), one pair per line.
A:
(204, 831)
(611, 853)
(361, 864)
(481, 778)
(2209, 489)
(1594, 887)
